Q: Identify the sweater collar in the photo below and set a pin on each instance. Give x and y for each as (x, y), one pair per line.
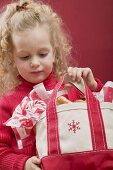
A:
(49, 83)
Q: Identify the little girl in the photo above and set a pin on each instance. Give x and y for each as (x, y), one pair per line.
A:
(33, 49)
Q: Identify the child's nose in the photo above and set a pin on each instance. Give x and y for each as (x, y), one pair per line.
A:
(34, 61)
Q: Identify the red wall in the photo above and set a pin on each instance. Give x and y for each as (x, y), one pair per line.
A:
(91, 27)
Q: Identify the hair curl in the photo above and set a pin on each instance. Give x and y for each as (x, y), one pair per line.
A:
(19, 20)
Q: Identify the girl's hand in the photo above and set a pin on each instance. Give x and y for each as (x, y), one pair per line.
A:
(33, 163)
(86, 73)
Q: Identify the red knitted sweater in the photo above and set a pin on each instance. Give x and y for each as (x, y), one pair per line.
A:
(12, 158)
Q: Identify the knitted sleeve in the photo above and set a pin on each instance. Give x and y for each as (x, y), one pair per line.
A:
(9, 160)
(75, 94)
(99, 85)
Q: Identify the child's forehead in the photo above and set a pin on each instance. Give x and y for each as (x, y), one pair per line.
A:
(36, 28)
(31, 39)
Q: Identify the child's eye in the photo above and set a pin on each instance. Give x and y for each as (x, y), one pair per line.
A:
(24, 58)
(43, 54)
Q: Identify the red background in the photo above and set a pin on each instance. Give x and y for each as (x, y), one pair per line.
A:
(90, 23)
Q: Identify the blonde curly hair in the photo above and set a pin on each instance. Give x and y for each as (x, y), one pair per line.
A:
(22, 15)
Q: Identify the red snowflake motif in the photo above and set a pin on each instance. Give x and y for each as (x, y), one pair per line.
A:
(74, 126)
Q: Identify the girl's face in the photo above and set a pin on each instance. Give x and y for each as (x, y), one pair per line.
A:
(33, 53)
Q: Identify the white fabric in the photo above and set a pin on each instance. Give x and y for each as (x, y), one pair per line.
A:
(107, 113)
(81, 139)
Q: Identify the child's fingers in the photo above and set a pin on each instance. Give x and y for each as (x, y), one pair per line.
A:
(75, 73)
(79, 74)
(35, 167)
(70, 70)
(86, 72)
(32, 163)
(36, 160)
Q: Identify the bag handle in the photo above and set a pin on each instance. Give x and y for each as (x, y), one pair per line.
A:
(95, 119)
